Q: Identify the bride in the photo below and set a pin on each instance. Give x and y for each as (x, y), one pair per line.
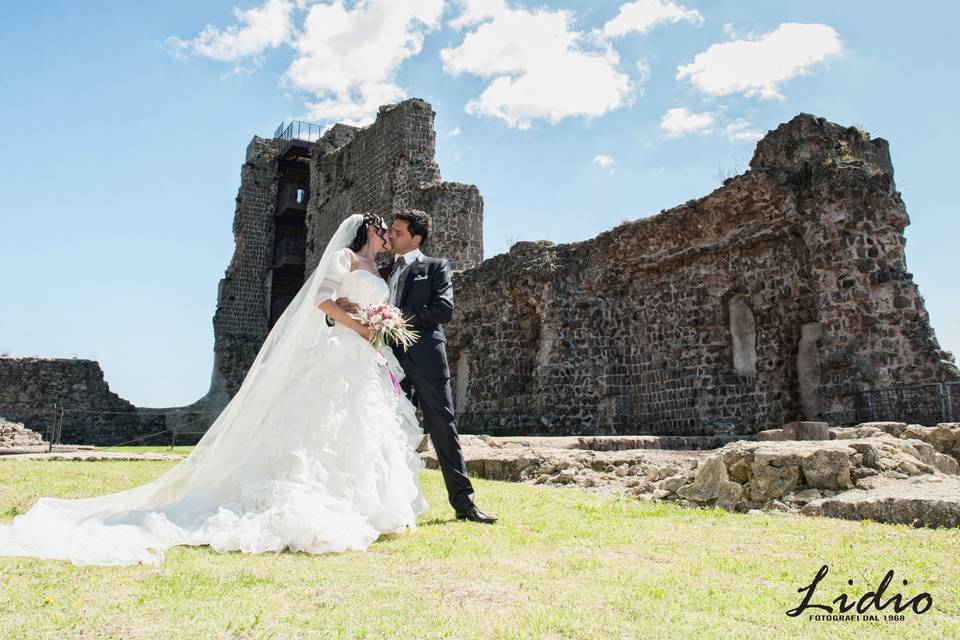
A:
(316, 452)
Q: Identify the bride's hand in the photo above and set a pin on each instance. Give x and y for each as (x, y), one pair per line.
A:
(346, 305)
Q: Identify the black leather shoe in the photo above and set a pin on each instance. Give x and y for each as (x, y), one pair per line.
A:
(476, 515)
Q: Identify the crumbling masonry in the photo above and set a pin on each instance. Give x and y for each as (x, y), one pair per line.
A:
(778, 297)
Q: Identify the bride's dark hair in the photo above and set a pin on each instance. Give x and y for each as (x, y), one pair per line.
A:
(361, 238)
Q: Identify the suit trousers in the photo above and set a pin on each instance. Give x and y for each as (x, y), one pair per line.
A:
(435, 400)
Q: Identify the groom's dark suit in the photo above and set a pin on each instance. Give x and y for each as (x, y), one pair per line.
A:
(426, 300)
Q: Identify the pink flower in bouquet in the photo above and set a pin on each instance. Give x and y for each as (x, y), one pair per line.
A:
(387, 325)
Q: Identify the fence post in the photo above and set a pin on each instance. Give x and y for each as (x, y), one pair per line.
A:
(173, 431)
(52, 429)
(944, 411)
(59, 431)
(946, 402)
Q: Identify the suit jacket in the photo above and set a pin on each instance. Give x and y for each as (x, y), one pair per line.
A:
(426, 300)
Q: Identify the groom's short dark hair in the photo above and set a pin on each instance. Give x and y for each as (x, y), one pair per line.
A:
(418, 223)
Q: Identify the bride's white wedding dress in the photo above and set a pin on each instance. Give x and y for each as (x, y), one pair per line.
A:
(315, 453)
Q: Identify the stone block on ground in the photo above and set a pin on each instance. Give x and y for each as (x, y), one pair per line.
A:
(768, 435)
(710, 484)
(926, 501)
(893, 428)
(879, 475)
(806, 431)
(15, 435)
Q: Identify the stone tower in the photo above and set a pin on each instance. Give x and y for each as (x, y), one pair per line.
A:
(387, 166)
(296, 188)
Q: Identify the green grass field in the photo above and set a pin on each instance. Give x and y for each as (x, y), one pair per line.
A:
(560, 564)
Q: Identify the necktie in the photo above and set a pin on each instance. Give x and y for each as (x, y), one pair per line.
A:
(395, 278)
(397, 264)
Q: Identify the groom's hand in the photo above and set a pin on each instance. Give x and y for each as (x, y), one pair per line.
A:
(346, 305)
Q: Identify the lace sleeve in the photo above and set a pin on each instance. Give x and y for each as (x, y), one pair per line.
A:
(339, 267)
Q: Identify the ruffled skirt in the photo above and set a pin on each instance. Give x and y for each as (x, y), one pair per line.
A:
(336, 467)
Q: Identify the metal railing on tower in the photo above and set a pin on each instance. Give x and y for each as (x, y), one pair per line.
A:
(298, 130)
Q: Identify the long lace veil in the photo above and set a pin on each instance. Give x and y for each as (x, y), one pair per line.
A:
(113, 528)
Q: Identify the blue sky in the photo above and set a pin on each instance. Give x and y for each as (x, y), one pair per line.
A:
(124, 127)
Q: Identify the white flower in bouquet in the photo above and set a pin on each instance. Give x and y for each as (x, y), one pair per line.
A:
(387, 325)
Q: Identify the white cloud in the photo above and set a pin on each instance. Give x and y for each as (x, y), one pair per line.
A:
(257, 30)
(757, 65)
(241, 70)
(680, 121)
(741, 130)
(347, 58)
(475, 11)
(540, 68)
(643, 15)
(454, 132)
(604, 161)
(350, 57)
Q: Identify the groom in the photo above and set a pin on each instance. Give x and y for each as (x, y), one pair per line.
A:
(422, 288)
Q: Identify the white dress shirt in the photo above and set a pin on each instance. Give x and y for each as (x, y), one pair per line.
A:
(408, 258)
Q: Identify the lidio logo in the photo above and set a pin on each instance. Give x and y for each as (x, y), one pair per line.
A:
(846, 603)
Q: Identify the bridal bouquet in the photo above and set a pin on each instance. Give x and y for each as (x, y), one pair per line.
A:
(387, 325)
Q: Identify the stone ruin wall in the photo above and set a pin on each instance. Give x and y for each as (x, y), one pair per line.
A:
(775, 298)
(29, 386)
(240, 322)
